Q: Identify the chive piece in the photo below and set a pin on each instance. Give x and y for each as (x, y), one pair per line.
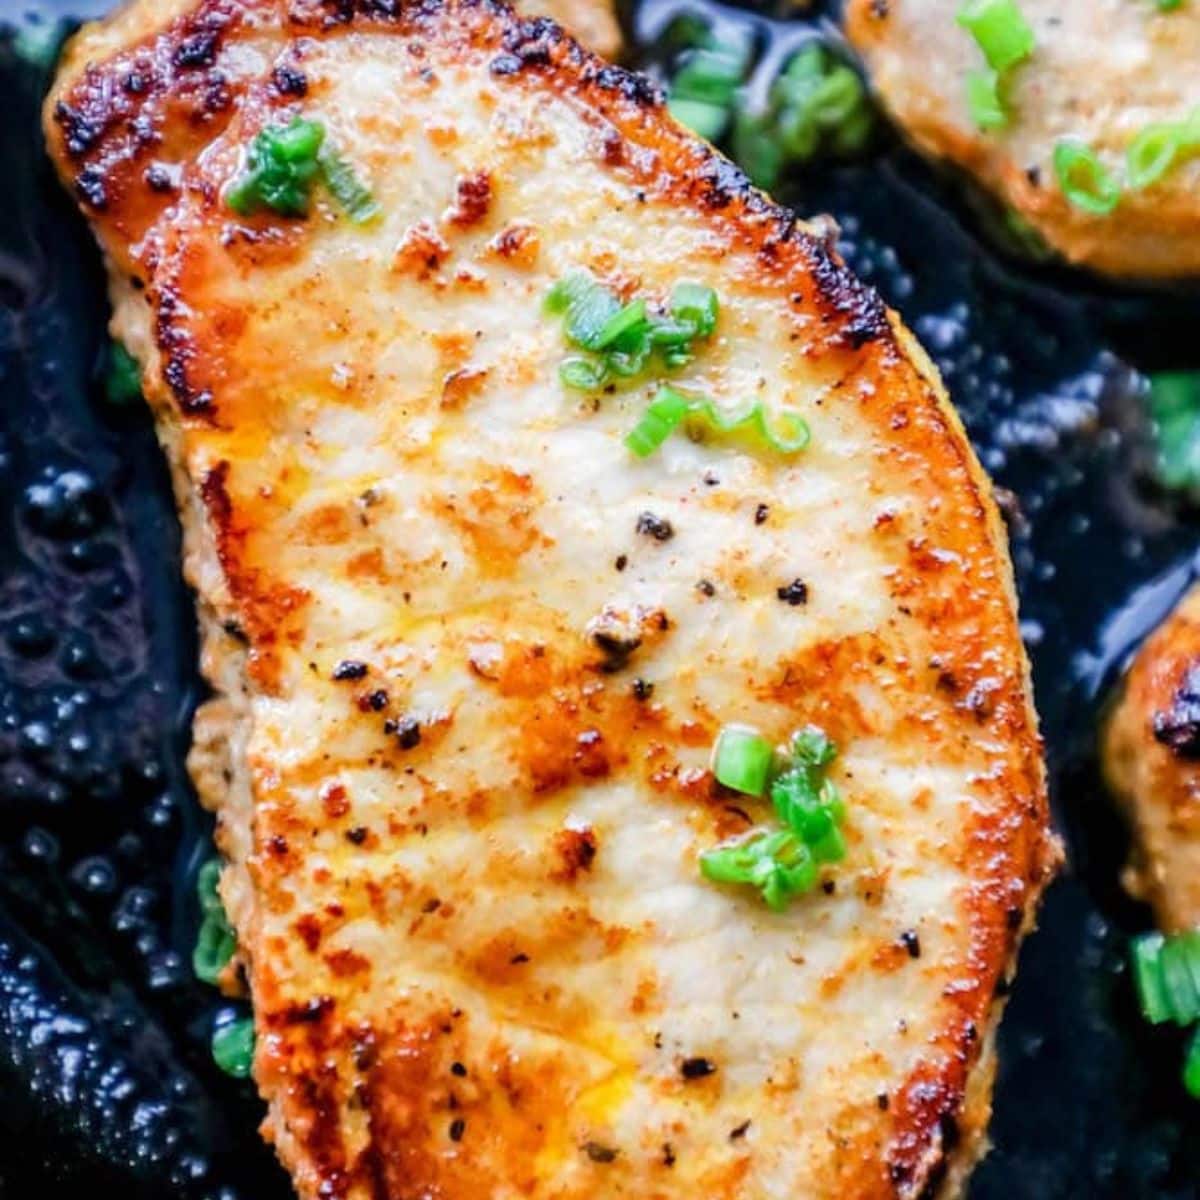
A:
(626, 321)
(281, 166)
(1191, 1067)
(1146, 954)
(233, 1047)
(346, 188)
(1084, 179)
(983, 100)
(216, 942)
(582, 374)
(778, 864)
(703, 117)
(1168, 5)
(792, 435)
(123, 378)
(741, 759)
(1174, 407)
(1183, 999)
(658, 422)
(693, 304)
(1000, 29)
(1157, 147)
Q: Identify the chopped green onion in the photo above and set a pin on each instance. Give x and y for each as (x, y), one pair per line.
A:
(1146, 952)
(123, 379)
(281, 167)
(582, 374)
(808, 803)
(1174, 407)
(1000, 29)
(693, 304)
(1176, 963)
(1084, 179)
(708, 74)
(216, 942)
(346, 188)
(778, 864)
(1155, 150)
(623, 325)
(742, 760)
(1191, 1067)
(233, 1047)
(666, 411)
(983, 100)
(624, 337)
(702, 117)
(1166, 971)
(1168, 5)
(791, 436)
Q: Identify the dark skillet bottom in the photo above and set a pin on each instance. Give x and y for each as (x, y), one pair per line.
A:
(107, 1084)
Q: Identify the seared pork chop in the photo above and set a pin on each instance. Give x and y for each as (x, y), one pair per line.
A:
(1151, 754)
(470, 652)
(1100, 73)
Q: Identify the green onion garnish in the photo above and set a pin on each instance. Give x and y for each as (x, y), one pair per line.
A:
(281, 167)
(670, 408)
(123, 378)
(233, 1046)
(1175, 411)
(216, 942)
(1156, 149)
(700, 116)
(1084, 179)
(346, 188)
(659, 421)
(742, 760)
(778, 864)
(791, 435)
(1166, 971)
(781, 863)
(1191, 1066)
(1168, 5)
(1002, 33)
(1000, 29)
(983, 100)
(623, 338)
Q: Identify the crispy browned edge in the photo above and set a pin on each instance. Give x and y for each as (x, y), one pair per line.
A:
(105, 123)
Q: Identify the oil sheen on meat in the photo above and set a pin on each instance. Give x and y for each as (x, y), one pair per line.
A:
(462, 839)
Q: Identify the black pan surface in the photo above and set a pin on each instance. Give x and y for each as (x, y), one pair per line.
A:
(108, 1086)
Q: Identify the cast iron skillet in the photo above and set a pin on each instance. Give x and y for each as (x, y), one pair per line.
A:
(108, 1087)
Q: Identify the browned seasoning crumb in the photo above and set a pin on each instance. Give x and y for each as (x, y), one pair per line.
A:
(407, 731)
(622, 562)
(761, 513)
(357, 835)
(518, 959)
(668, 1154)
(642, 690)
(739, 1131)
(794, 593)
(599, 1153)
(654, 526)
(706, 587)
(697, 1068)
(882, 1101)
(349, 668)
(457, 1129)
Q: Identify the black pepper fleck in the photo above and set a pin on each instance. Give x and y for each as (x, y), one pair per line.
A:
(652, 525)
(408, 732)
(739, 1131)
(357, 835)
(599, 1153)
(642, 690)
(457, 1129)
(706, 587)
(760, 514)
(349, 668)
(911, 943)
(794, 593)
(622, 562)
(697, 1068)
(458, 1069)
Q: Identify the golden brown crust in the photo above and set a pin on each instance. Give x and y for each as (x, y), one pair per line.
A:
(362, 1107)
(1151, 755)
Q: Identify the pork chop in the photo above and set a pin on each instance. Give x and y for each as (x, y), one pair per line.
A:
(470, 652)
